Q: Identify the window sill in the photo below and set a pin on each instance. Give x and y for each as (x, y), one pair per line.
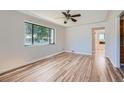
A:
(38, 45)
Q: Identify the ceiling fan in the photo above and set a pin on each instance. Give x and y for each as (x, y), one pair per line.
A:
(68, 16)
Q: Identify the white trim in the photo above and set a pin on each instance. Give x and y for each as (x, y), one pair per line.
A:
(35, 60)
(112, 62)
(117, 32)
(83, 53)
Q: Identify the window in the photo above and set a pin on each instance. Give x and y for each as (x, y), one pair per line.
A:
(28, 34)
(38, 35)
(101, 37)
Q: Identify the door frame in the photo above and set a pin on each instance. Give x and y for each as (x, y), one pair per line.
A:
(117, 33)
(122, 13)
(93, 37)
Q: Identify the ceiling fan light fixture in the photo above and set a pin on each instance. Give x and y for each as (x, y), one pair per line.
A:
(65, 22)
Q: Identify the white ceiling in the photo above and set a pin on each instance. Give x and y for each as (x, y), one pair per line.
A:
(55, 16)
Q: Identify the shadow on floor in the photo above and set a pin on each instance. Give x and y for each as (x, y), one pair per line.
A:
(122, 68)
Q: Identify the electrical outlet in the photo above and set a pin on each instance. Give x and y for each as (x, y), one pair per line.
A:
(72, 50)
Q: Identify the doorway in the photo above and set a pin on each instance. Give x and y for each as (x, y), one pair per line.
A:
(98, 41)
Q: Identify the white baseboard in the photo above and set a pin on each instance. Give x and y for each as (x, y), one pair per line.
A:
(112, 62)
(79, 52)
(57, 54)
(35, 60)
(32, 61)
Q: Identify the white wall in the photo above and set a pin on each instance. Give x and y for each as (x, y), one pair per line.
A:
(12, 51)
(112, 38)
(79, 38)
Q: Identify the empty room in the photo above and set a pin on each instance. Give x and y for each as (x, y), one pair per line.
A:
(61, 46)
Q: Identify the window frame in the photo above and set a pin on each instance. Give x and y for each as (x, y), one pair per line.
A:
(54, 35)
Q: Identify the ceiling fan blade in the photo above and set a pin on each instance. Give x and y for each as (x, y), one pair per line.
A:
(68, 11)
(64, 13)
(74, 20)
(77, 15)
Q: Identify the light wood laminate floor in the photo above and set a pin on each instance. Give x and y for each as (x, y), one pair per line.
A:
(66, 67)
